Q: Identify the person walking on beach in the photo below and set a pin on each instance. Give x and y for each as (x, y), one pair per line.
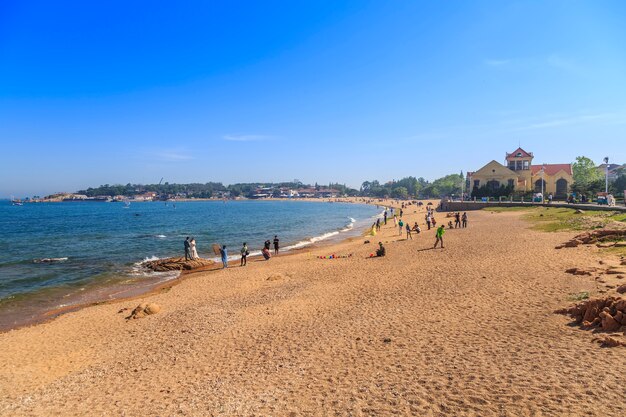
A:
(464, 220)
(378, 224)
(385, 217)
(457, 220)
(428, 220)
(400, 227)
(187, 249)
(194, 251)
(439, 236)
(276, 245)
(433, 221)
(244, 254)
(401, 211)
(224, 254)
(408, 232)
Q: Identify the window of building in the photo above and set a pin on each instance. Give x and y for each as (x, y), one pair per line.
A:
(511, 183)
(512, 165)
(477, 183)
(526, 165)
(518, 165)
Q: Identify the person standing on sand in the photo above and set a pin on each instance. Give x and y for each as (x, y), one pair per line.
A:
(385, 217)
(244, 254)
(439, 236)
(464, 219)
(408, 232)
(377, 224)
(433, 221)
(224, 254)
(401, 211)
(400, 227)
(457, 219)
(276, 241)
(428, 220)
(187, 249)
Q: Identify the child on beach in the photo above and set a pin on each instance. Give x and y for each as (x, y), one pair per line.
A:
(439, 236)
(381, 250)
(416, 228)
(244, 254)
(400, 227)
(408, 232)
(428, 220)
(378, 224)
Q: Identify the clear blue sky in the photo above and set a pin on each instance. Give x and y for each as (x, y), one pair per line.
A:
(235, 91)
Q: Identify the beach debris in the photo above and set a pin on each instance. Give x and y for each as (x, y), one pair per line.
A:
(123, 310)
(387, 340)
(334, 256)
(608, 341)
(579, 211)
(607, 313)
(601, 236)
(177, 264)
(366, 242)
(581, 271)
(143, 310)
(621, 289)
(275, 277)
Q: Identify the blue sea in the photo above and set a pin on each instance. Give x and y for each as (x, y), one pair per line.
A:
(54, 255)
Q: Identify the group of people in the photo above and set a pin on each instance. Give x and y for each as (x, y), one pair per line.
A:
(191, 252)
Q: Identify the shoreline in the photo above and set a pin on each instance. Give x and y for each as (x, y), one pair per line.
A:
(139, 288)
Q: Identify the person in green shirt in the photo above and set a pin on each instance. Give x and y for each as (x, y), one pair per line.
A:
(440, 231)
(400, 226)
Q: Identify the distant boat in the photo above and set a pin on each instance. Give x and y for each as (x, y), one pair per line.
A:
(126, 204)
(16, 201)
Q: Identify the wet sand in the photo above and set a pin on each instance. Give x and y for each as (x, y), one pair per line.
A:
(467, 330)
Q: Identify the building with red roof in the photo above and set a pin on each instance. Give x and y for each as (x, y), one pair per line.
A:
(520, 175)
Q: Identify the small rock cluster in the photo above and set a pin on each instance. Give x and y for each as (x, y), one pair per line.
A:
(177, 264)
(602, 237)
(608, 313)
(143, 310)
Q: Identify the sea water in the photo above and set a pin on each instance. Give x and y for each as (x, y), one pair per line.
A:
(49, 252)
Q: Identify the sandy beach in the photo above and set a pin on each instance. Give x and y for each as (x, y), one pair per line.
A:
(462, 331)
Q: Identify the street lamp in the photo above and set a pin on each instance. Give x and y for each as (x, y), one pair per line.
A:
(606, 174)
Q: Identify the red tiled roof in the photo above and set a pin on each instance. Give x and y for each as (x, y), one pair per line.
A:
(519, 150)
(551, 169)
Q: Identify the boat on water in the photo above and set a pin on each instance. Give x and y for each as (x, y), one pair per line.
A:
(16, 201)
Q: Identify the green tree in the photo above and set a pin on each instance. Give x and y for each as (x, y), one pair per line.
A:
(585, 174)
(400, 193)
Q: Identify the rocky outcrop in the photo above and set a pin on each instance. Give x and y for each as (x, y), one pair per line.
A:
(143, 310)
(602, 237)
(607, 313)
(177, 264)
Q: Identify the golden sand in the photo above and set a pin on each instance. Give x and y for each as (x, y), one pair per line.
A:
(467, 330)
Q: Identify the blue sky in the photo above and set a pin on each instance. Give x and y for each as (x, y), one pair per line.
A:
(236, 91)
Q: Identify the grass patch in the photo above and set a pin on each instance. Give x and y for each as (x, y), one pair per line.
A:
(579, 296)
(554, 219)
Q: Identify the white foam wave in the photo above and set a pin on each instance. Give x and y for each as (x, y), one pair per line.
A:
(161, 236)
(49, 260)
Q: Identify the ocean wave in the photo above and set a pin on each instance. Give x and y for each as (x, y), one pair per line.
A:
(139, 270)
(161, 236)
(49, 260)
